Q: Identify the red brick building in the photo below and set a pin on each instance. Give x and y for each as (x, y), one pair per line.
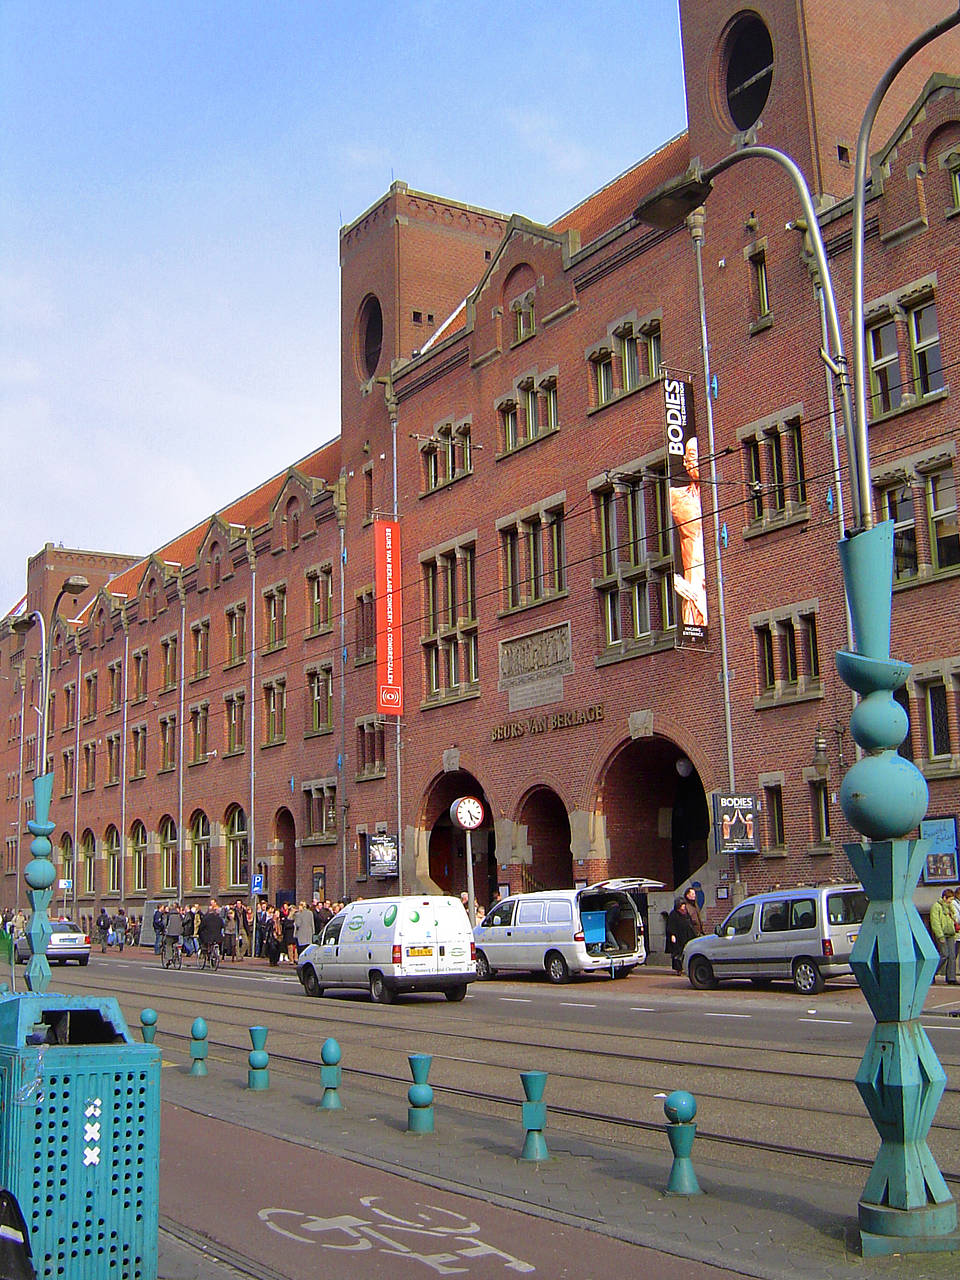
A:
(503, 389)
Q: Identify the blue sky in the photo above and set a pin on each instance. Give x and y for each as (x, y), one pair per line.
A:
(173, 175)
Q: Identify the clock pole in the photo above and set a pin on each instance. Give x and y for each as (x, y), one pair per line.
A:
(471, 896)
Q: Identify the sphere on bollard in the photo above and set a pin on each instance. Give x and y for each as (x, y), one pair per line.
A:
(330, 1053)
(680, 1107)
(199, 1029)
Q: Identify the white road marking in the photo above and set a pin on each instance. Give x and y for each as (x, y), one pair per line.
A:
(516, 1000)
(728, 1015)
(939, 1026)
(640, 1008)
(833, 1022)
(576, 1004)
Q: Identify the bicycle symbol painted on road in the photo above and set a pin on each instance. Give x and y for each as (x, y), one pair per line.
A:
(346, 1232)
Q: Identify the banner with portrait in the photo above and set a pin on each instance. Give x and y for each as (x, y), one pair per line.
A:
(683, 462)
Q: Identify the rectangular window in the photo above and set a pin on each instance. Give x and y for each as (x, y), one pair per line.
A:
(773, 804)
(896, 504)
(113, 758)
(69, 705)
(139, 869)
(168, 663)
(511, 568)
(761, 293)
(276, 607)
(139, 763)
(234, 718)
(551, 411)
(452, 663)
(811, 645)
(275, 712)
(925, 349)
(609, 540)
(754, 478)
(640, 609)
(603, 368)
(89, 766)
(431, 468)
(468, 558)
(90, 697)
(140, 675)
(366, 626)
(472, 657)
(778, 489)
(236, 634)
(558, 551)
(431, 611)
(794, 437)
(88, 871)
(765, 665)
(451, 610)
(200, 643)
(790, 664)
(938, 723)
(531, 410)
(371, 761)
(198, 734)
(448, 453)
(883, 358)
(630, 361)
(611, 617)
(508, 418)
(534, 532)
(525, 320)
(115, 678)
(321, 699)
(168, 743)
(651, 336)
(431, 658)
(906, 746)
(320, 599)
(942, 512)
(68, 772)
(321, 810)
(820, 798)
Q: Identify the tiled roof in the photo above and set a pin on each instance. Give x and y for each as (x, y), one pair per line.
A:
(615, 202)
(250, 510)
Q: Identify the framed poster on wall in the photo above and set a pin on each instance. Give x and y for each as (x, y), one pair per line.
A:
(940, 863)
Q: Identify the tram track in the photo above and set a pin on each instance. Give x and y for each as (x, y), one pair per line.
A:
(797, 1101)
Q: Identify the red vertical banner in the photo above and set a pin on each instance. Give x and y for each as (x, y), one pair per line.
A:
(389, 621)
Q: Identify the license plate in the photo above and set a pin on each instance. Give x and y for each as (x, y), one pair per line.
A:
(419, 951)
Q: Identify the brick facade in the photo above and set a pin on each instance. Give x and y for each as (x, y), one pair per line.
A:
(509, 376)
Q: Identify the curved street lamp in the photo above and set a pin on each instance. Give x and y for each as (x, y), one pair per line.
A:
(906, 1206)
(40, 872)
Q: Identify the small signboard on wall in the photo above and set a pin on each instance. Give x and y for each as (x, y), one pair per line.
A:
(382, 860)
(940, 863)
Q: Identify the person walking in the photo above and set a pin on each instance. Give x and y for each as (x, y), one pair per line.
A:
(943, 927)
(679, 933)
(693, 911)
(303, 927)
(159, 927)
(120, 928)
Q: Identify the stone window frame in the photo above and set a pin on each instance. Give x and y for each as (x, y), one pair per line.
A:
(517, 594)
(769, 468)
(915, 470)
(943, 671)
(320, 608)
(442, 629)
(769, 783)
(808, 685)
(323, 790)
(646, 331)
(898, 306)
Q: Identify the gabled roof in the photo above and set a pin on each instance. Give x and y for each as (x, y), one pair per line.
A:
(615, 202)
(248, 511)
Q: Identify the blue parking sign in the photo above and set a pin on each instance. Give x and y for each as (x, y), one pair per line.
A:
(257, 884)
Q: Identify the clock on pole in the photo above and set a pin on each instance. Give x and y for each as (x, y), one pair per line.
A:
(467, 814)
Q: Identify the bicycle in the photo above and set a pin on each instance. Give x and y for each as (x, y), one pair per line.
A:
(171, 953)
(209, 954)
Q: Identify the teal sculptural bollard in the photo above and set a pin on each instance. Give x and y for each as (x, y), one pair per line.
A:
(198, 1047)
(258, 1077)
(680, 1108)
(331, 1073)
(148, 1024)
(420, 1095)
(534, 1113)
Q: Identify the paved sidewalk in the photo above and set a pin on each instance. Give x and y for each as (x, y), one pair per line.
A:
(748, 1222)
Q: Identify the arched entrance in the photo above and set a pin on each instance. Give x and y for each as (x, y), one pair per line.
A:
(544, 817)
(655, 810)
(447, 848)
(285, 843)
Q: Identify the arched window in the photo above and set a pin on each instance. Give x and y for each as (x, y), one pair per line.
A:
(238, 852)
(138, 840)
(200, 849)
(293, 523)
(111, 849)
(88, 850)
(168, 853)
(215, 569)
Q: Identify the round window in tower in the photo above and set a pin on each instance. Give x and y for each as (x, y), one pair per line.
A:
(369, 336)
(748, 57)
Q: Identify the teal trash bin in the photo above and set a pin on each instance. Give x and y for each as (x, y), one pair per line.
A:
(80, 1136)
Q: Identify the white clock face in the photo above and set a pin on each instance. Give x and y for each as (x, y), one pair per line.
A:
(469, 812)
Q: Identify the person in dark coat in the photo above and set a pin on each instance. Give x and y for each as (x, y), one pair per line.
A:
(680, 930)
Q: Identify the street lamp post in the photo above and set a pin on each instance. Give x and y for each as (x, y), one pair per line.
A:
(40, 873)
(906, 1206)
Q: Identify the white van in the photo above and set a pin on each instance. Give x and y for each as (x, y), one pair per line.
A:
(565, 932)
(415, 943)
(803, 934)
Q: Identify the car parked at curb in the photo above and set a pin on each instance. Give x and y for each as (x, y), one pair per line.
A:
(67, 942)
(804, 934)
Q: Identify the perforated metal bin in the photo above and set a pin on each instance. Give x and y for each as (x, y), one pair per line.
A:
(79, 1136)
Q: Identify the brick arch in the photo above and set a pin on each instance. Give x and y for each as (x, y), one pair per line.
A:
(447, 844)
(544, 818)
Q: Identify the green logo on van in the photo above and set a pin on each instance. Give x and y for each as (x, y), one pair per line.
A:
(355, 924)
(390, 915)
(414, 916)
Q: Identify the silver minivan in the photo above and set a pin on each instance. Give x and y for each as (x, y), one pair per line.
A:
(803, 934)
(564, 932)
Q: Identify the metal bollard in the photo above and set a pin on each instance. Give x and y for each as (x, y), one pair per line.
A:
(534, 1113)
(148, 1024)
(258, 1077)
(198, 1047)
(420, 1095)
(680, 1108)
(331, 1073)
